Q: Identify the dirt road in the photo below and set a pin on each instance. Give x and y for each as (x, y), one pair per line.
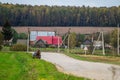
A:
(92, 70)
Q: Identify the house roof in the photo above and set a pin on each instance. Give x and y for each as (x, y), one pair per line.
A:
(87, 42)
(50, 39)
(44, 42)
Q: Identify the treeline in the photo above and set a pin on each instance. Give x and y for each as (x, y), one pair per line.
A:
(27, 15)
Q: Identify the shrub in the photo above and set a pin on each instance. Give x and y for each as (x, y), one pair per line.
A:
(1, 40)
(22, 36)
(1, 47)
(18, 47)
(52, 46)
(90, 49)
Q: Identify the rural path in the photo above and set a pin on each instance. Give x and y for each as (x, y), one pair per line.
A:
(92, 70)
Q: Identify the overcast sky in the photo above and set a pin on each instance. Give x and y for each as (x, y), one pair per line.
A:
(92, 3)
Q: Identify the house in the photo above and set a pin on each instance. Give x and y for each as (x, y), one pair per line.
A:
(40, 43)
(48, 40)
(22, 41)
(86, 43)
(43, 38)
(97, 44)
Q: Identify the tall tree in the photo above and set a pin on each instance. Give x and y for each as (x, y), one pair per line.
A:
(7, 31)
(114, 38)
(15, 36)
(27, 15)
(79, 39)
(72, 39)
(107, 38)
(22, 36)
(1, 40)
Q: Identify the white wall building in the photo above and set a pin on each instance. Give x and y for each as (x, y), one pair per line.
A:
(34, 34)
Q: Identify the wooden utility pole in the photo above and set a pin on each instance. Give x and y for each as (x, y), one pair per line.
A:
(58, 44)
(103, 48)
(92, 38)
(95, 45)
(69, 39)
(28, 40)
(118, 41)
(68, 42)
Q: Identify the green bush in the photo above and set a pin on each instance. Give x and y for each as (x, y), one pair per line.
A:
(52, 46)
(1, 47)
(22, 36)
(76, 51)
(18, 47)
(90, 49)
(1, 40)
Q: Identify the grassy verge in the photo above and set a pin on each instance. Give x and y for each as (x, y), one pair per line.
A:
(96, 58)
(21, 66)
(48, 49)
(79, 54)
(5, 48)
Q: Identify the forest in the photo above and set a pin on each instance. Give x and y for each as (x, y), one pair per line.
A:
(43, 15)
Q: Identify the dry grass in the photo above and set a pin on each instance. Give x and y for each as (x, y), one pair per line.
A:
(102, 58)
(62, 30)
(96, 58)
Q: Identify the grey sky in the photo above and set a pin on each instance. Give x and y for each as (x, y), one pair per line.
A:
(92, 3)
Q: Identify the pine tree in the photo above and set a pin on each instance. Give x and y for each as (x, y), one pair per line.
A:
(15, 36)
(1, 41)
(7, 31)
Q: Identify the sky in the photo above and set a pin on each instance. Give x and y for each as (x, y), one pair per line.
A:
(91, 3)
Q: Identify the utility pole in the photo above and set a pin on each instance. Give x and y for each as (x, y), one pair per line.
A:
(64, 40)
(28, 40)
(58, 43)
(69, 39)
(97, 41)
(118, 41)
(92, 37)
(103, 48)
(68, 42)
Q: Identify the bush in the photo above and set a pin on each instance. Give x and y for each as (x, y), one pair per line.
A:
(1, 40)
(1, 47)
(90, 49)
(52, 46)
(76, 51)
(18, 47)
(22, 36)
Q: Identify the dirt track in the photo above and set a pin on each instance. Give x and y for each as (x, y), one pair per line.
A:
(92, 70)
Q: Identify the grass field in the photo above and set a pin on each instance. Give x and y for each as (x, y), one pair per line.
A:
(79, 54)
(63, 29)
(96, 58)
(21, 66)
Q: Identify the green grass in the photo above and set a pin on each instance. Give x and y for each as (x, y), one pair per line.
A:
(21, 66)
(5, 48)
(48, 49)
(79, 54)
